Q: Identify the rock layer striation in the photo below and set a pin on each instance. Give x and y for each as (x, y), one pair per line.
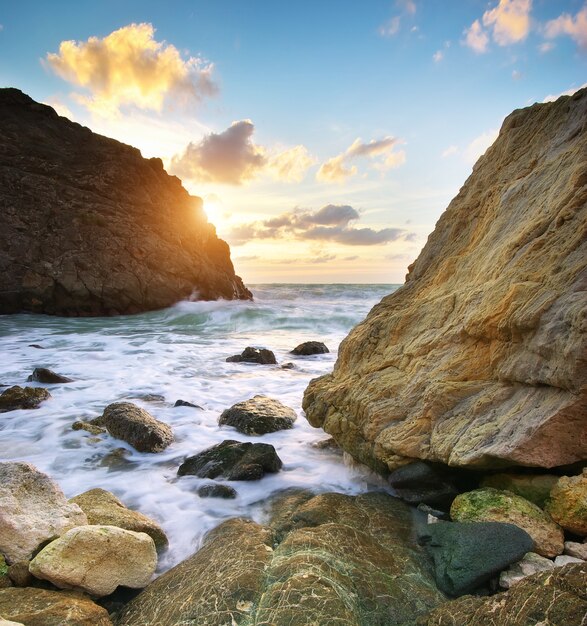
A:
(90, 227)
(480, 359)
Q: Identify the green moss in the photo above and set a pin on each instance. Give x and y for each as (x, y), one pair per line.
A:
(3, 566)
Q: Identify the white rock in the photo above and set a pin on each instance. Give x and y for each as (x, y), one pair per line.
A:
(565, 559)
(578, 550)
(33, 510)
(5, 622)
(530, 564)
(96, 559)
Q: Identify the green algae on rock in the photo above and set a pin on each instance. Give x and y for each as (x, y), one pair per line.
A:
(533, 487)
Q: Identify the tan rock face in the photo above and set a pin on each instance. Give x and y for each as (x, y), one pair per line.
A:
(96, 559)
(33, 509)
(568, 503)
(480, 359)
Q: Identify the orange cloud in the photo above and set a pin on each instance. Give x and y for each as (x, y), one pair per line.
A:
(510, 21)
(128, 67)
(565, 24)
(476, 38)
(381, 151)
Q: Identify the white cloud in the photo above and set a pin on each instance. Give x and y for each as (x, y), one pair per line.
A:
(509, 20)
(476, 38)
(438, 56)
(450, 151)
(382, 152)
(290, 165)
(517, 75)
(479, 145)
(568, 92)
(390, 28)
(129, 67)
(575, 27)
(545, 47)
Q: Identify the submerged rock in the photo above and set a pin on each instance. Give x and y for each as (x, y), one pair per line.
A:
(310, 347)
(493, 505)
(258, 416)
(22, 398)
(479, 359)
(97, 559)
(212, 490)
(345, 561)
(33, 510)
(553, 597)
(104, 508)
(136, 426)
(43, 375)
(466, 555)
(93, 429)
(260, 356)
(119, 235)
(568, 503)
(39, 607)
(233, 460)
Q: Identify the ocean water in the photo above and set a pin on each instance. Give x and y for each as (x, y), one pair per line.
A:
(156, 358)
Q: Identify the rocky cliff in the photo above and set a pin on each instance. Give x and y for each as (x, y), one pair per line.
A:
(480, 359)
(90, 227)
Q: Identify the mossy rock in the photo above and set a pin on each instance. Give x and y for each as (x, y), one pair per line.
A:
(494, 505)
(533, 487)
(568, 503)
(17, 397)
(258, 415)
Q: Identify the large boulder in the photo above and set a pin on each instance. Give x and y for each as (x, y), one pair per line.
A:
(258, 415)
(493, 505)
(90, 227)
(104, 508)
(39, 607)
(467, 555)
(126, 421)
(568, 503)
(480, 359)
(233, 460)
(22, 398)
(33, 510)
(347, 561)
(96, 559)
(533, 487)
(555, 597)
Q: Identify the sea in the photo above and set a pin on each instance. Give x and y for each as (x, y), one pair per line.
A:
(156, 358)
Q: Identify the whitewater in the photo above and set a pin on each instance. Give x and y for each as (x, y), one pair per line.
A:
(156, 358)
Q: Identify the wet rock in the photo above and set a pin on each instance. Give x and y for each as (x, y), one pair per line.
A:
(431, 512)
(327, 444)
(565, 559)
(556, 597)
(96, 559)
(5, 580)
(233, 460)
(93, 429)
(39, 607)
(105, 509)
(185, 403)
(213, 490)
(36, 345)
(530, 564)
(310, 347)
(427, 483)
(136, 426)
(19, 574)
(568, 503)
(22, 398)
(117, 459)
(533, 487)
(578, 550)
(345, 561)
(33, 510)
(258, 416)
(466, 555)
(43, 375)
(493, 505)
(260, 356)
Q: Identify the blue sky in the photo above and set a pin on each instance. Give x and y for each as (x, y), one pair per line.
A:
(325, 137)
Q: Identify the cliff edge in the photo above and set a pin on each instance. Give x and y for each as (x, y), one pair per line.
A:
(480, 359)
(90, 227)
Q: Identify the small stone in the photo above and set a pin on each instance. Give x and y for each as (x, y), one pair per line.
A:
(258, 415)
(260, 356)
(565, 559)
(44, 375)
(22, 398)
(185, 403)
(578, 550)
(89, 427)
(288, 366)
(530, 564)
(212, 490)
(310, 347)
(19, 574)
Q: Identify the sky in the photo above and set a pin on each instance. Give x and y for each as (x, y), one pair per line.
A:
(326, 137)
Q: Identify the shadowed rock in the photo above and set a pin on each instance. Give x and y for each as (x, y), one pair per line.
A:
(212, 490)
(258, 416)
(136, 426)
(90, 227)
(233, 460)
(185, 403)
(310, 347)
(17, 397)
(261, 356)
(43, 375)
